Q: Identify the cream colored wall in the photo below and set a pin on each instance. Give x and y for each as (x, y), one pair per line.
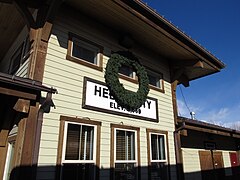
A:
(4, 65)
(227, 162)
(191, 163)
(67, 78)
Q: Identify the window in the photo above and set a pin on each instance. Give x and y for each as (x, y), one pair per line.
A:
(20, 56)
(79, 143)
(126, 153)
(157, 154)
(84, 52)
(16, 60)
(155, 79)
(79, 154)
(126, 71)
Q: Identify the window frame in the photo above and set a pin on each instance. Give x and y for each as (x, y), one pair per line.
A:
(134, 79)
(86, 121)
(165, 146)
(126, 77)
(149, 150)
(65, 142)
(24, 51)
(88, 45)
(115, 140)
(161, 81)
(113, 148)
(9, 162)
(12, 70)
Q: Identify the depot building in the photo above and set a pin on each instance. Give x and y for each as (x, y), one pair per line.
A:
(83, 132)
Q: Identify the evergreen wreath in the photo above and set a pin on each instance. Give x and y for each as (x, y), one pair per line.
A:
(125, 98)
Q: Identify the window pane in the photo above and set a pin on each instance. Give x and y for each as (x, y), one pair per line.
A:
(16, 60)
(161, 148)
(72, 144)
(154, 80)
(87, 136)
(125, 145)
(126, 70)
(154, 146)
(120, 145)
(131, 145)
(84, 53)
(26, 49)
(158, 147)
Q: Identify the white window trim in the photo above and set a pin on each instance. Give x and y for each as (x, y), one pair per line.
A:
(158, 75)
(136, 145)
(7, 162)
(88, 46)
(65, 141)
(165, 147)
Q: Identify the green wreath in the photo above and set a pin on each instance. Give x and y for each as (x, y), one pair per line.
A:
(125, 98)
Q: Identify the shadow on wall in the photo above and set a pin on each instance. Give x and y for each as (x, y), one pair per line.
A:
(88, 171)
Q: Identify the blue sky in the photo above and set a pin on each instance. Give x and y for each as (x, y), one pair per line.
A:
(214, 24)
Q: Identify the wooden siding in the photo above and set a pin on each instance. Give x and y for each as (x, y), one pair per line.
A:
(68, 76)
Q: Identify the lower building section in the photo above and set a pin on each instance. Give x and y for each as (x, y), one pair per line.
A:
(85, 146)
(209, 152)
(202, 164)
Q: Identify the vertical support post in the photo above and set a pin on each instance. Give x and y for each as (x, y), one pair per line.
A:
(174, 100)
(39, 37)
(177, 138)
(27, 163)
(33, 123)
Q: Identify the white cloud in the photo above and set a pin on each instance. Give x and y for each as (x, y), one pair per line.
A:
(224, 116)
(184, 111)
(216, 116)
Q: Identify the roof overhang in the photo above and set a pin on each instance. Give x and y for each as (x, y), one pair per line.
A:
(187, 59)
(195, 125)
(11, 82)
(17, 95)
(149, 29)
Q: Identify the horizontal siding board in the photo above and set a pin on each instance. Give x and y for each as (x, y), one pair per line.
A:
(23, 69)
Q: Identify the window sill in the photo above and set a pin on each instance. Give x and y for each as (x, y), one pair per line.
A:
(127, 78)
(156, 88)
(135, 81)
(85, 63)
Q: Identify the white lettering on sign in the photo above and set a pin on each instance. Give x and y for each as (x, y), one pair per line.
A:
(98, 96)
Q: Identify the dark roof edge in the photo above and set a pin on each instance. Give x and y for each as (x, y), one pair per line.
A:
(206, 125)
(25, 83)
(173, 30)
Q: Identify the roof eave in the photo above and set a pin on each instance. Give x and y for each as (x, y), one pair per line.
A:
(25, 83)
(206, 125)
(174, 31)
